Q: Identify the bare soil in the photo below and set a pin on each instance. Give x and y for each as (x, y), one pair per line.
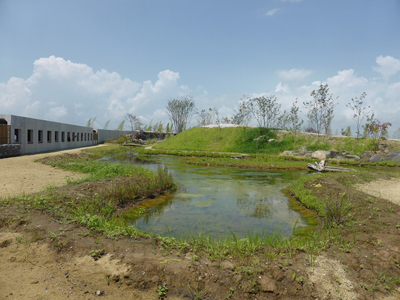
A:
(43, 258)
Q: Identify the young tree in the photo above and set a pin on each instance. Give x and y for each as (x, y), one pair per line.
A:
(359, 111)
(320, 109)
(91, 121)
(283, 120)
(205, 117)
(396, 134)
(106, 125)
(294, 121)
(121, 126)
(346, 132)
(180, 111)
(134, 122)
(265, 110)
(376, 130)
(243, 113)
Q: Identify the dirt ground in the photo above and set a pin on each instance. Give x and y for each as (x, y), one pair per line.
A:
(42, 258)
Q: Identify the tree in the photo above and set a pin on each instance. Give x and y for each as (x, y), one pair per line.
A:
(134, 122)
(294, 121)
(265, 110)
(121, 126)
(396, 134)
(320, 109)
(106, 125)
(376, 130)
(346, 132)
(180, 111)
(283, 120)
(91, 121)
(359, 111)
(205, 117)
(243, 113)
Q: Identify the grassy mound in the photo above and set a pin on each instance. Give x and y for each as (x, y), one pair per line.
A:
(229, 139)
(255, 140)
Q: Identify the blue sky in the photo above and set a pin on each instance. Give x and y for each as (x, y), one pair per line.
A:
(72, 60)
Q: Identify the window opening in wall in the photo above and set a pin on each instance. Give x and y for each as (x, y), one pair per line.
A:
(81, 136)
(77, 136)
(73, 136)
(30, 136)
(85, 136)
(56, 136)
(17, 136)
(62, 137)
(48, 136)
(68, 136)
(40, 136)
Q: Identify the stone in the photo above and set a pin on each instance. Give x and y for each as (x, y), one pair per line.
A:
(308, 154)
(355, 157)
(393, 156)
(339, 157)
(367, 155)
(267, 284)
(377, 157)
(287, 152)
(319, 154)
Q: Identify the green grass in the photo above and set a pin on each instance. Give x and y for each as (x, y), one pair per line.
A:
(230, 139)
(255, 140)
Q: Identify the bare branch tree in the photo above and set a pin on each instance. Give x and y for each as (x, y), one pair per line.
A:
(180, 111)
(294, 121)
(243, 113)
(134, 122)
(320, 110)
(360, 111)
(265, 110)
(205, 117)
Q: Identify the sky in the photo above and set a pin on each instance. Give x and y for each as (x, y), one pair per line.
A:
(69, 61)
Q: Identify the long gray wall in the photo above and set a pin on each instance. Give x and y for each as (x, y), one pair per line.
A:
(41, 136)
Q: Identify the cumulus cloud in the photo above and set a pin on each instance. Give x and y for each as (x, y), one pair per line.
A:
(61, 90)
(293, 74)
(346, 78)
(272, 12)
(387, 66)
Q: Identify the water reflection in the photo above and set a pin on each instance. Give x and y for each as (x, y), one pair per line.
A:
(218, 201)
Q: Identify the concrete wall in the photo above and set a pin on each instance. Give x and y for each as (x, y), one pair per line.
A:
(110, 134)
(36, 136)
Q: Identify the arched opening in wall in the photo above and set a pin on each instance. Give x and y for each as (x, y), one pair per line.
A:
(3, 121)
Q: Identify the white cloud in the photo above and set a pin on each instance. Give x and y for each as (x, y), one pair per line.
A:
(293, 74)
(57, 112)
(272, 12)
(387, 66)
(346, 78)
(69, 92)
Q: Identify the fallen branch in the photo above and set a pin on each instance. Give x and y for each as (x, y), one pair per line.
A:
(322, 166)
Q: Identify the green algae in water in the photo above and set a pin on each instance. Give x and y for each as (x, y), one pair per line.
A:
(220, 201)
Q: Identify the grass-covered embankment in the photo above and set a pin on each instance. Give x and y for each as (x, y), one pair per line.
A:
(255, 140)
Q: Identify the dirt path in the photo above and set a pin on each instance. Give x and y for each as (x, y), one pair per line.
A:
(22, 175)
(386, 189)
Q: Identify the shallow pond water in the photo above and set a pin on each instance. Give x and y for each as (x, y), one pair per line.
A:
(219, 201)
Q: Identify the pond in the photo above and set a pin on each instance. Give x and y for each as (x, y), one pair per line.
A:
(219, 201)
